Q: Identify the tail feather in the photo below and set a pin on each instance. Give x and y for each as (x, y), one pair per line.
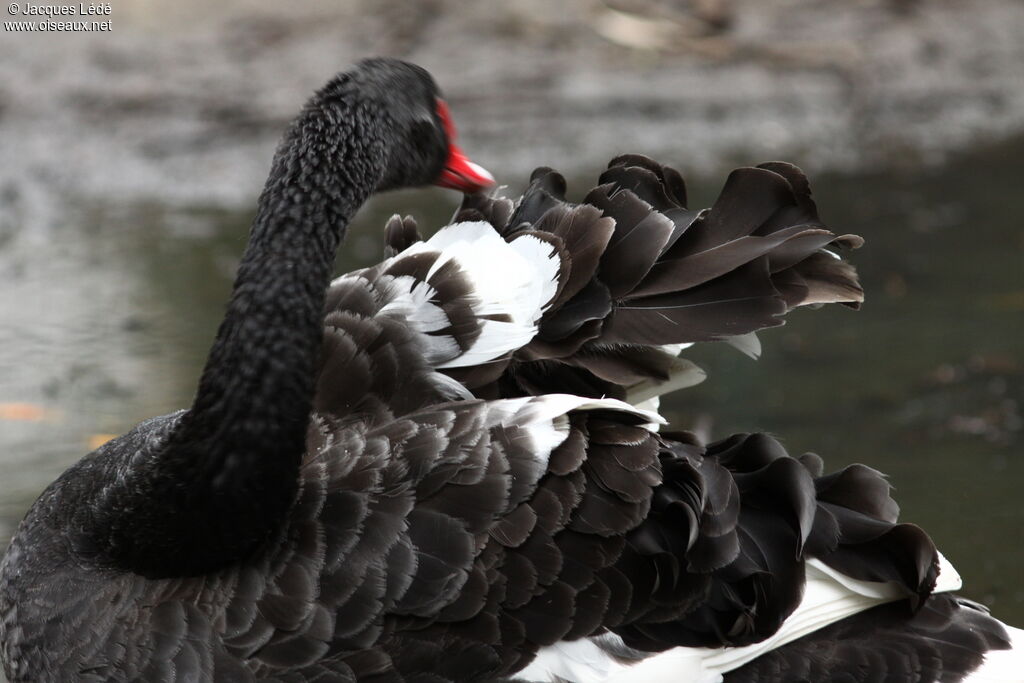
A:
(947, 639)
(755, 516)
(741, 301)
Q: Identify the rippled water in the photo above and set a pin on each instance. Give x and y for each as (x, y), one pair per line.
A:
(107, 317)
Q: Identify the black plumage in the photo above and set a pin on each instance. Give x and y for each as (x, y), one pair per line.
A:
(375, 484)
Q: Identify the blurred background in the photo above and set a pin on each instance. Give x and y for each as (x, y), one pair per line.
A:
(130, 161)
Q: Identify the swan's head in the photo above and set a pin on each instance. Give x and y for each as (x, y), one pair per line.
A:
(421, 147)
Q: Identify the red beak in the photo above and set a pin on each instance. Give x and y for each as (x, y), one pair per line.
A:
(459, 172)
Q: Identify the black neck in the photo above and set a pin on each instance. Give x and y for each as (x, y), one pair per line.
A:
(225, 478)
(256, 389)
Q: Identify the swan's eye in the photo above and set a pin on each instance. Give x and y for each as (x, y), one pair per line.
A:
(424, 139)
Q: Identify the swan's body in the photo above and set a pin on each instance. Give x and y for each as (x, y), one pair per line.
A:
(428, 471)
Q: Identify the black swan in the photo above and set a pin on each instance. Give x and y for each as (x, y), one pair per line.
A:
(430, 470)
